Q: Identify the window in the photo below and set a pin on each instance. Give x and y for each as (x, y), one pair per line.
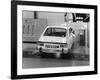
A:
(28, 27)
(32, 29)
(23, 29)
(58, 32)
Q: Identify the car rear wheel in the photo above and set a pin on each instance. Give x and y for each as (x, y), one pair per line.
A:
(41, 53)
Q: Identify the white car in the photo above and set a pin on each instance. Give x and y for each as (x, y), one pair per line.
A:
(56, 39)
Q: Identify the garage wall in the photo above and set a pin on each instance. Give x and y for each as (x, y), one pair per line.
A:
(54, 18)
(28, 14)
(32, 28)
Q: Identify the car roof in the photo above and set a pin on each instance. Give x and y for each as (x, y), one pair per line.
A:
(66, 27)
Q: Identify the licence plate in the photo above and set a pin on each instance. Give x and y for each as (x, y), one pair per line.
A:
(51, 46)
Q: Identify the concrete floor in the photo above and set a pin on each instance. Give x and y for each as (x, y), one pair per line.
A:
(49, 62)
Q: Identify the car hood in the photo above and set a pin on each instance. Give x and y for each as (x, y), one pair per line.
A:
(53, 39)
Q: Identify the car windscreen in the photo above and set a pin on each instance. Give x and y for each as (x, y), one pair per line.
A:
(58, 32)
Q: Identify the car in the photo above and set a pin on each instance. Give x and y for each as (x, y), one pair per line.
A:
(57, 40)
